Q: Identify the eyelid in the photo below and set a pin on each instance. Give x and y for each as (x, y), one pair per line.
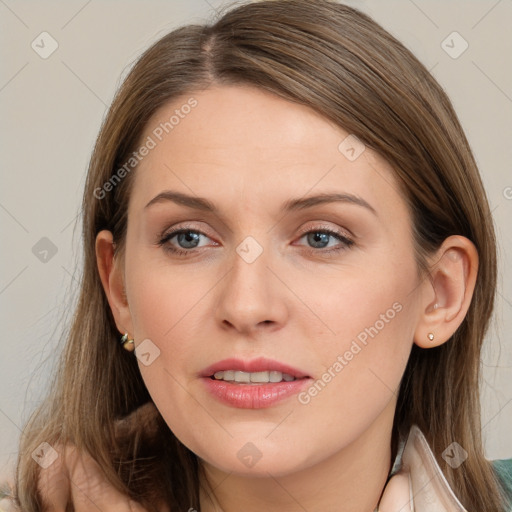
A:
(344, 232)
(186, 226)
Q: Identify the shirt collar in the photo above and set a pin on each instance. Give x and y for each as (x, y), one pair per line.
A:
(429, 490)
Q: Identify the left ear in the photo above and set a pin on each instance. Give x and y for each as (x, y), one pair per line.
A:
(447, 291)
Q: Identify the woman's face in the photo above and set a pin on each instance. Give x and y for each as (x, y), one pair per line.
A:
(293, 259)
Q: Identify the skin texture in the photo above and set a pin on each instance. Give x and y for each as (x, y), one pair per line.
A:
(249, 152)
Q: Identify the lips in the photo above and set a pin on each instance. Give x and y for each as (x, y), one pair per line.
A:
(256, 365)
(246, 393)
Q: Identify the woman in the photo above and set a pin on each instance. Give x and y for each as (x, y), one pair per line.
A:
(283, 217)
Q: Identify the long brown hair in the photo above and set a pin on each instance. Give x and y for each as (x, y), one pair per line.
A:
(346, 67)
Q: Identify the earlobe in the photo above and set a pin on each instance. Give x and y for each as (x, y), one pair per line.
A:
(448, 292)
(111, 275)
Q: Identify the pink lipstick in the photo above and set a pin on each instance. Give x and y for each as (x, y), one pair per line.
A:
(255, 384)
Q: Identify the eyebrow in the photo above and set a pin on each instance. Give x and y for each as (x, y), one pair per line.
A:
(201, 203)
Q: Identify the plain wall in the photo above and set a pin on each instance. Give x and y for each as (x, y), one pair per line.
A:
(51, 111)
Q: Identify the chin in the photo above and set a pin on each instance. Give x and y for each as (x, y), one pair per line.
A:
(260, 459)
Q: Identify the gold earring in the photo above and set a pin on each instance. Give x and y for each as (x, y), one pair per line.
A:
(430, 336)
(128, 344)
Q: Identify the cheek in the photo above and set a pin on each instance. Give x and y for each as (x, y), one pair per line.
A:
(368, 306)
(161, 297)
(370, 319)
(361, 368)
(164, 305)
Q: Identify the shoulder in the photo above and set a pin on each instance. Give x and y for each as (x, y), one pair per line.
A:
(503, 470)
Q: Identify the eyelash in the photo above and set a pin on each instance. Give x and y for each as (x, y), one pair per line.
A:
(165, 238)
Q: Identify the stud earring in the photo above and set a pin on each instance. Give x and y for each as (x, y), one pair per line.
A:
(128, 344)
(430, 336)
(436, 305)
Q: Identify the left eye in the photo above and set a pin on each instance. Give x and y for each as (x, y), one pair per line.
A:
(320, 239)
(186, 238)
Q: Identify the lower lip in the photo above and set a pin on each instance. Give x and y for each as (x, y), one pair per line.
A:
(254, 396)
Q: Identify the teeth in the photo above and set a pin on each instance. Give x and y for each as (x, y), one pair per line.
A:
(275, 376)
(242, 377)
(254, 377)
(259, 377)
(229, 375)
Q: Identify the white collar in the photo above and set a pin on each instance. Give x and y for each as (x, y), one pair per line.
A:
(418, 484)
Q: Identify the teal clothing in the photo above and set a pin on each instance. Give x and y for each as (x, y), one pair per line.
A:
(503, 469)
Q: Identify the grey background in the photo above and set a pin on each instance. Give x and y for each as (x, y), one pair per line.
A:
(51, 110)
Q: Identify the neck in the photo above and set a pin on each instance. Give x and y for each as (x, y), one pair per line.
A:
(351, 479)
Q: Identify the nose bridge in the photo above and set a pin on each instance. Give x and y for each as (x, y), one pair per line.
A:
(250, 275)
(249, 296)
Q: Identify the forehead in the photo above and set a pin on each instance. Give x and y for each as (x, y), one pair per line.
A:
(242, 143)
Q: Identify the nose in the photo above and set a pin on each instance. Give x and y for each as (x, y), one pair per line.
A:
(251, 298)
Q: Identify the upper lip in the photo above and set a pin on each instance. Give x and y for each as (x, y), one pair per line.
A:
(260, 364)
